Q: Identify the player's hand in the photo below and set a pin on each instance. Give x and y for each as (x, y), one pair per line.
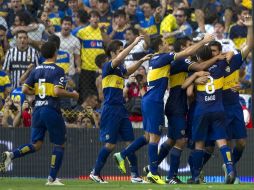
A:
(202, 73)
(30, 66)
(138, 39)
(229, 55)
(75, 95)
(236, 88)
(208, 38)
(221, 56)
(201, 80)
(147, 57)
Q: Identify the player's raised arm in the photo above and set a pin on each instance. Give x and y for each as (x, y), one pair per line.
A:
(189, 81)
(121, 56)
(249, 42)
(192, 49)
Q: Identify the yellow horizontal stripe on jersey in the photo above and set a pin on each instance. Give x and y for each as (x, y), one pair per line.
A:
(217, 83)
(239, 42)
(177, 79)
(231, 80)
(158, 73)
(113, 81)
(151, 30)
(49, 89)
(64, 66)
(55, 21)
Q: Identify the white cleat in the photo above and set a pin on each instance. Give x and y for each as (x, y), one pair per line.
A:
(5, 161)
(54, 183)
(138, 180)
(96, 178)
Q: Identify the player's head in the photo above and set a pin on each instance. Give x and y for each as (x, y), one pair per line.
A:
(100, 60)
(48, 50)
(22, 39)
(114, 48)
(55, 39)
(66, 24)
(215, 47)
(204, 53)
(219, 27)
(94, 18)
(120, 17)
(158, 44)
(131, 34)
(182, 43)
(242, 12)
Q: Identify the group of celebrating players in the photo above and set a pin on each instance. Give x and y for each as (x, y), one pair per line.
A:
(203, 106)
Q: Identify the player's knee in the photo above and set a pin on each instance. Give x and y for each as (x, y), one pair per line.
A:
(110, 146)
(240, 144)
(37, 145)
(221, 142)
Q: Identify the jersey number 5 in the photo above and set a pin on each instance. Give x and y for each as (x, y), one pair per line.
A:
(209, 87)
(42, 88)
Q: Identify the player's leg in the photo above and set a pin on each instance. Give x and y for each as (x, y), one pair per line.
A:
(37, 135)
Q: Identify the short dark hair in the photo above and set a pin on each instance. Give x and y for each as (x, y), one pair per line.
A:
(156, 41)
(55, 39)
(180, 42)
(48, 50)
(113, 46)
(133, 30)
(83, 16)
(3, 28)
(24, 16)
(94, 13)
(100, 59)
(182, 9)
(67, 19)
(241, 9)
(204, 53)
(215, 43)
(220, 22)
(119, 13)
(21, 32)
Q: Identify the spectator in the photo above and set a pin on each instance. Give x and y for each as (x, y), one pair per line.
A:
(81, 21)
(105, 13)
(90, 5)
(92, 45)
(238, 31)
(5, 85)
(26, 114)
(3, 22)
(15, 6)
(70, 44)
(3, 8)
(72, 10)
(91, 100)
(18, 59)
(131, 11)
(4, 44)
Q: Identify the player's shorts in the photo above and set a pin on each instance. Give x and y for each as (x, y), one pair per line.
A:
(115, 124)
(153, 116)
(48, 119)
(199, 4)
(235, 125)
(210, 126)
(228, 4)
(177, 125)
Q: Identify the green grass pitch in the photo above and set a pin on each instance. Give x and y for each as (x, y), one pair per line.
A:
(38, 184)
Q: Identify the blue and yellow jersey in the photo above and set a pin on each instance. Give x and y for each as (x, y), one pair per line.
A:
(238, 34)
(113, 84)
(76, 30)
(209, 96)
(231, 79)
(177, 101)
(18, 95)
(119, 35)
(92, 45)
(148, 24)
(157, 77)
(62, 60)
(43, 79)
(106, 19)
(4, 83)
(3, 9)
(168, 25)
(55, 20)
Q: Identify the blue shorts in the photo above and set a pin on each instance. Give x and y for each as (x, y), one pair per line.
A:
(153, 116)
(115, 125)
(235, 125)
(210, 126)
(48, 119)
(177, 125)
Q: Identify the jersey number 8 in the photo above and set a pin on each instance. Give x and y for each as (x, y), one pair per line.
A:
(42, 88)
(209, 87)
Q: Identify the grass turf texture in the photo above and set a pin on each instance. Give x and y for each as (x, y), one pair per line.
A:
(39, 184)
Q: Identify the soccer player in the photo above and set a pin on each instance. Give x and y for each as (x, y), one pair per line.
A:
(114, 117)
(235, 125)
(46, 82)
(152, 103)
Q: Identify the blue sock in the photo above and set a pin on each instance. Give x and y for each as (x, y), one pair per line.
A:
(164, 150)
(153, 157)
(190, 161)
(101, 160)
(174, 162)
(207, 157)
(198, 156)
(227, 157)
(134, 146)
(23, 150)
(237, 154)
(56, 161)
(132, 158)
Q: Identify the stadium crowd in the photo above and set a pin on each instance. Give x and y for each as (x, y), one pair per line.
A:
(82, 30)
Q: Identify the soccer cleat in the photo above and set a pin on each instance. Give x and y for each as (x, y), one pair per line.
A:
(230, 178)
(192, 181)
(138, 180)
(155, 179)
(202, 177)
(120, 162)
(5, 161)
(96, 178)
(54, 183)
(237, 181)
(146, 169)
(224, 168)
(174, 180)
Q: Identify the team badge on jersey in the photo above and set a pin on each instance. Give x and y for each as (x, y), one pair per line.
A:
(227, 69)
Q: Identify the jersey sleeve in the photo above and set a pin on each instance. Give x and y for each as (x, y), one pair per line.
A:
(30, 81)
(123, 69)
(170, 57)
(59, 80)
(236, 61)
